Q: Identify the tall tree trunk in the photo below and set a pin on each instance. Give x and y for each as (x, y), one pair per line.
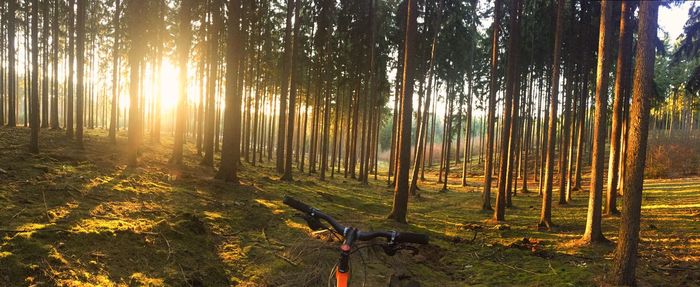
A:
(115, 80)
(432, 133)
(565, 132)
(284, 83)
(543, 139)
(572, 136)
(71, 65)
(210, 111)
(448, 136)
(314, 125)
(55, 125)
(527, 141)
(136, 66)
(491, 113)
(44, 64)
(400, 205)
(80, 51)
(514, 138)
(546, 214)
(594, 232)
(287, 176)
(200, 104)
(625, 259)
(394, 124)
(349, 134)
(34, 104)
(508, 110)
(183, 51)
(11, 71)
(423, 127)
(326, 130)
(468, 131)
(304, 129)
(371, 86)
(231, 145)
(160, 30)
(259, 93)
(355, 127)
(27, 66)
(624, 59)
(2, 65)
(271, 129)
(443, 147)
(336, 132)
(581, 114)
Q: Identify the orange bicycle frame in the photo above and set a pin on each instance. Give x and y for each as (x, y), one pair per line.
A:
(341, 278)
(342, 272)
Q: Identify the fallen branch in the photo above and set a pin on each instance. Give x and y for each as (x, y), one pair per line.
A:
(50, 272)
(521, 269)
(46, 207)
(168, 244)
(17, 214)
(287, 259)
(182, 272)
(270, 243)
(674, 268)
(550, 266)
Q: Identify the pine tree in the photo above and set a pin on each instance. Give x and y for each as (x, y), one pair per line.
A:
(625, 259)
(400, 205)
(594, 231)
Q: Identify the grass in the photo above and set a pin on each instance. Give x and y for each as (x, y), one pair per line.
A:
(81, 217)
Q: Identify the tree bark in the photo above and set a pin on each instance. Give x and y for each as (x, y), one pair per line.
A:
(625, 259)
(11, 71)
(183, 51)
(565, 132)
(34, 103)
(624, 59)
(135, 10)
(400, 204)
(44, 65)
(287, 176)
(210, 109)
(80, 51)
(115, 76)
(594, 233)
(231, 145)
(422, 129)
(493, 89)
(546, 214)
(509, 109)
(284, 83)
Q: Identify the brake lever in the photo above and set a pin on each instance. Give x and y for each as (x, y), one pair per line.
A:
(312, 222)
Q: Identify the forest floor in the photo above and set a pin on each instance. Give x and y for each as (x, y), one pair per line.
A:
(81, 217)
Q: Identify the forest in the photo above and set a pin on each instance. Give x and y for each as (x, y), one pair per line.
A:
(349, 143)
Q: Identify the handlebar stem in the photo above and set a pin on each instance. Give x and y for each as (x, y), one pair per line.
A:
(344, 262)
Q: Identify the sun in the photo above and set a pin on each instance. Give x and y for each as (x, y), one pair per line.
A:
(169, 86)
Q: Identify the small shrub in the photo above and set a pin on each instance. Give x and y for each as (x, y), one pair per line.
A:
(673, 157)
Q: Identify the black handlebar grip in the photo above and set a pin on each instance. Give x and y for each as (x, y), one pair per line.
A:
(409, 237)
(298, 205)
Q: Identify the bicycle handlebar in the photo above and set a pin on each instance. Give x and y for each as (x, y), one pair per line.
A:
(298, 205)
(412, 237)
(392, 236)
